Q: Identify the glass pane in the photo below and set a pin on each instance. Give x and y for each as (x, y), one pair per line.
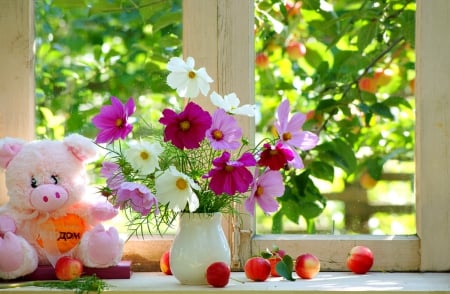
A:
(349, 67)
(88, 51)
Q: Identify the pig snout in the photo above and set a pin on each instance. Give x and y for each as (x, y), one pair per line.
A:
(48, 197)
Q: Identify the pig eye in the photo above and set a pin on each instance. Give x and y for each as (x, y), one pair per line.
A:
(54, 179)
(33, 183)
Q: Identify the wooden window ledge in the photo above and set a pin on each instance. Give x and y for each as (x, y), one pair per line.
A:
(324, 282)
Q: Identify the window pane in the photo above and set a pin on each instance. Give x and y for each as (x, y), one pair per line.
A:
(349, 66)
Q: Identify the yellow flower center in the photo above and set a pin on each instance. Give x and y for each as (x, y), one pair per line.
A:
(217, 135)
(229, 168)
(185, 125)
(144, 155)
(181, 184)
(191, 75)
(259, 191)
(119, 122)
(273, 152)
(287, 136)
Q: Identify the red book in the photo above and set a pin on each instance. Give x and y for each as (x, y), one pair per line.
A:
(120, 271)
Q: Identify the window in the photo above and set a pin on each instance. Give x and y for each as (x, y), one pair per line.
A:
(219, 35)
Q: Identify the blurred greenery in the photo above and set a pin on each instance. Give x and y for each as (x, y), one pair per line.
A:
(348, 64)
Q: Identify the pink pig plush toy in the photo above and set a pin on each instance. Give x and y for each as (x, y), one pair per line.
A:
(49, 213)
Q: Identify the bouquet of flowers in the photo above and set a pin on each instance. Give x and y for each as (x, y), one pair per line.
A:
(195, 161)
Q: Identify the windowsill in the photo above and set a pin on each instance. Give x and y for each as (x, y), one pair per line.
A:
(324, 282)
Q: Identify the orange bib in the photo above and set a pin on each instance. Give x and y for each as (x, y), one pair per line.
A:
(59, 235)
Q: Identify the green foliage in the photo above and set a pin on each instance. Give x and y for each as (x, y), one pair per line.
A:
(88, 51)
(354, 81)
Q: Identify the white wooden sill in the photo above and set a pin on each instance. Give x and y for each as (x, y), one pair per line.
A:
(324, 282)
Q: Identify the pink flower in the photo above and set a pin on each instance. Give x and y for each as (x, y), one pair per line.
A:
(187, 129)
(112, 121)
(231, 176)
(275, 157)
(291, 133)
(264, 190)
(111, 171)
(138, 196)
(225, 132)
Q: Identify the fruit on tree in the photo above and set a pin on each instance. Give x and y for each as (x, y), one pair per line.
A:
(307, 266)
(367, 181)
(295, 49)
(262, 60)
(368, 84)
(164, 263)
(257, 268)
(360, 259)
(68, 268)
(218, 274)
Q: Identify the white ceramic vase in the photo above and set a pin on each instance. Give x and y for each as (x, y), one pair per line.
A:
(200, 241)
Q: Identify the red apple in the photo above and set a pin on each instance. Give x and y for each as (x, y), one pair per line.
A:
(367, 181)
(293, 9)
(360, 259)
(218, 274)
(273, 263)
(257, 268)
(68, 268)
(295, 49)
(383, 76)
(307, 266)
(368, 84)
(262, 60)
(164, 263)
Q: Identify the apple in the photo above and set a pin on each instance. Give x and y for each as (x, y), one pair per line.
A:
(360, 259)
(273, 263)
(257, 268)
(368, 84)
(295, 49)
(293, 9)
(68, 268)
(262, 60)
(307, 266)
(218, 274)
(367, 181)
(164, 263)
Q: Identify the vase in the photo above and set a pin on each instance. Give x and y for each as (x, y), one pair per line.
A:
(199, 241)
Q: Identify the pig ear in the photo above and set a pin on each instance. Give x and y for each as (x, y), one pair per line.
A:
(81, 147)
(9, 147)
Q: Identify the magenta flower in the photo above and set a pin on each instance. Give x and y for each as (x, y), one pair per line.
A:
(291, 133)
(111, 171)
(231, 176)
(138, 197)
(187, 129)
(225, 133)
(112, 121)
(265, 189)
(275, 157)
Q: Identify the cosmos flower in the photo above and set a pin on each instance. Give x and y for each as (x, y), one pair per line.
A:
(275, 157)
(113, 121)
(186, 80)
(231, 176)
(225, 132)
(265, 189)
(143, 156)
(175, 188)
(289, 129)
(230, 103)
(188, 128)
(138, 197)
(112, 172)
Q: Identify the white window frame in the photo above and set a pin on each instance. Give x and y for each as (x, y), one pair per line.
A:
(219, 35)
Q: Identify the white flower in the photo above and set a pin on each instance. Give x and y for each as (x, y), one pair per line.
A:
(230, 103)
(185, 79)
(143, 156)
(175, 188)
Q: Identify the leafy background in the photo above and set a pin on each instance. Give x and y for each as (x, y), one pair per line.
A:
(89, 50)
